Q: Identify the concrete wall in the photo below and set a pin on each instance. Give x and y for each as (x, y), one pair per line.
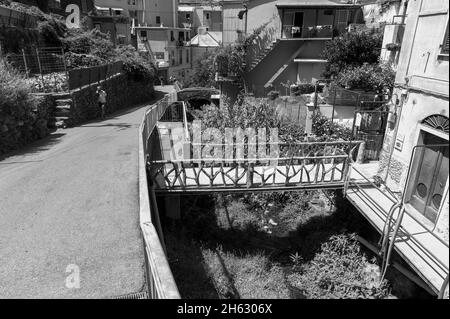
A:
(167, 10)
(232, 25)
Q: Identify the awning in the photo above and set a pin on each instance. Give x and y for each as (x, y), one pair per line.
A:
(315, 4)
(108, 8)
(185, 9)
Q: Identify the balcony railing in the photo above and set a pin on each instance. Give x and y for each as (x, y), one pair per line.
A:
(318, 31)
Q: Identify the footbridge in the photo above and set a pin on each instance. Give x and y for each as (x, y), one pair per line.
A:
(173, 162)
(181, 163)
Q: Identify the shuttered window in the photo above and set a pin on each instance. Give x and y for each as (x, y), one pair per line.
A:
(445, 44)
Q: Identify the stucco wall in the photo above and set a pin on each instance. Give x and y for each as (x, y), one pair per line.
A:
(415, 109)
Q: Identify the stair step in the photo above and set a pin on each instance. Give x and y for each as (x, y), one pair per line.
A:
(63, 101)
(62, 114)
(63, 107)
(61, 118)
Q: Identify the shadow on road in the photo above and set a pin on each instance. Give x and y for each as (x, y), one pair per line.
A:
(33, 148)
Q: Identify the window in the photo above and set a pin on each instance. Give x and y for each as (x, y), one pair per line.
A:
(143, 34)
(207, 15)
(188, 16)
(181, 56)
(445, 43)
(172, 37)
(187, 56)
(328, 12)
(181, 36)
(158, 20)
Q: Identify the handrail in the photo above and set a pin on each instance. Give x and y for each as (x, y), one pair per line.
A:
(443, 288)
(185, 122)
(386, 260)
(160, 281)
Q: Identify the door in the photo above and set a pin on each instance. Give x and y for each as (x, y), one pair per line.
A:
(298, 24)
(342, 20)
(430, 169)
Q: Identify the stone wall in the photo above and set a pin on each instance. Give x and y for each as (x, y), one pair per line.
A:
(18, 129)
(121, 91)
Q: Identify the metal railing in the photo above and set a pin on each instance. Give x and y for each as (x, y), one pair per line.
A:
(307, 32)
(393, 226)
(160, 281)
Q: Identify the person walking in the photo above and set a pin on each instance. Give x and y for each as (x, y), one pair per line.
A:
(101, 100)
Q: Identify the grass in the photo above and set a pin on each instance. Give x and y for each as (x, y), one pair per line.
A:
(270, 246)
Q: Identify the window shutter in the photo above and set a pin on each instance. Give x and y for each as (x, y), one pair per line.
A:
(445, 45)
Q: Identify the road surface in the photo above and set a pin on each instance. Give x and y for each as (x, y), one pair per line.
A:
(70, 202)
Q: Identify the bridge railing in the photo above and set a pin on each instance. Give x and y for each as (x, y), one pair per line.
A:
(160, 281)
(301, 165)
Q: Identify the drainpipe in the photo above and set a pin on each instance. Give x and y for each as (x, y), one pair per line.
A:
(398, 111)
(175, 12)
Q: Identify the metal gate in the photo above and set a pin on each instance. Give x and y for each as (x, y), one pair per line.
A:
(369, 125)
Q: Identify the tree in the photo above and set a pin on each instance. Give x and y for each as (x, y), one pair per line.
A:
(352, 49)
(368, 77)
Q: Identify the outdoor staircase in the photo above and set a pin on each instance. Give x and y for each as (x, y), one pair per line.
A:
(261, 56)
(63, 103)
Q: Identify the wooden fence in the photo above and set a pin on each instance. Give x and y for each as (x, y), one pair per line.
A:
(87, 76)
(14, 18)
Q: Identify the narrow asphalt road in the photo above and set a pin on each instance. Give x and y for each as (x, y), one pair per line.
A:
(71, 202)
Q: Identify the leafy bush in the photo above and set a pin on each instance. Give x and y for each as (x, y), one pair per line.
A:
(324, 128)
(352, 49)
(302, 88)
(340, 270)
(15, 97)
(368, 77)
(273, 95)
(135, 65)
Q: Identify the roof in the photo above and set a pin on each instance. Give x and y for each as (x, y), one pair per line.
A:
(209, 39)
(316, 3)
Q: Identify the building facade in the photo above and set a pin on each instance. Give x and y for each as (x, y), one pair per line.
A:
(292, 36)
(169, 49)
(420, 105)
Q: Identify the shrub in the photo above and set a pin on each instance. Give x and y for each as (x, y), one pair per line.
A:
(20, 121)
(352, 49)
(368, 77)
(136, 66)
(324, 128)
(340, 270)
(302, 88)
(273, 95)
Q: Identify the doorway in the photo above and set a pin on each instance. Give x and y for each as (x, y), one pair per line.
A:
(298, 25)
(429, 174)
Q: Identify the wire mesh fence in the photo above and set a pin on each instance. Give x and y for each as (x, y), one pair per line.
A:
(46, 70)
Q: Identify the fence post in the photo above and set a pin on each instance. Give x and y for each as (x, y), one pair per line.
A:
(65, 68)
(25, 62)
(360, 155)
(40, 67)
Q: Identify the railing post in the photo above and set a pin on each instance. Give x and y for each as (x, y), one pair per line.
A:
(360, 155)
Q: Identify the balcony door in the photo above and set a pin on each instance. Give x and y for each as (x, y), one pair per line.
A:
(342, 18)
(429, 175)
(298, 24)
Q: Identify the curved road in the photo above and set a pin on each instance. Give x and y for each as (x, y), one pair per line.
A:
(72, 199)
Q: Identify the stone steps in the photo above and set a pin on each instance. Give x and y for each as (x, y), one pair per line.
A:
(62, 111)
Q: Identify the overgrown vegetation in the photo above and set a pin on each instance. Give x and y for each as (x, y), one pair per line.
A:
(22, 118)
(279, 245)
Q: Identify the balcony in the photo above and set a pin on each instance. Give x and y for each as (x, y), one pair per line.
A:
(307, 32)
